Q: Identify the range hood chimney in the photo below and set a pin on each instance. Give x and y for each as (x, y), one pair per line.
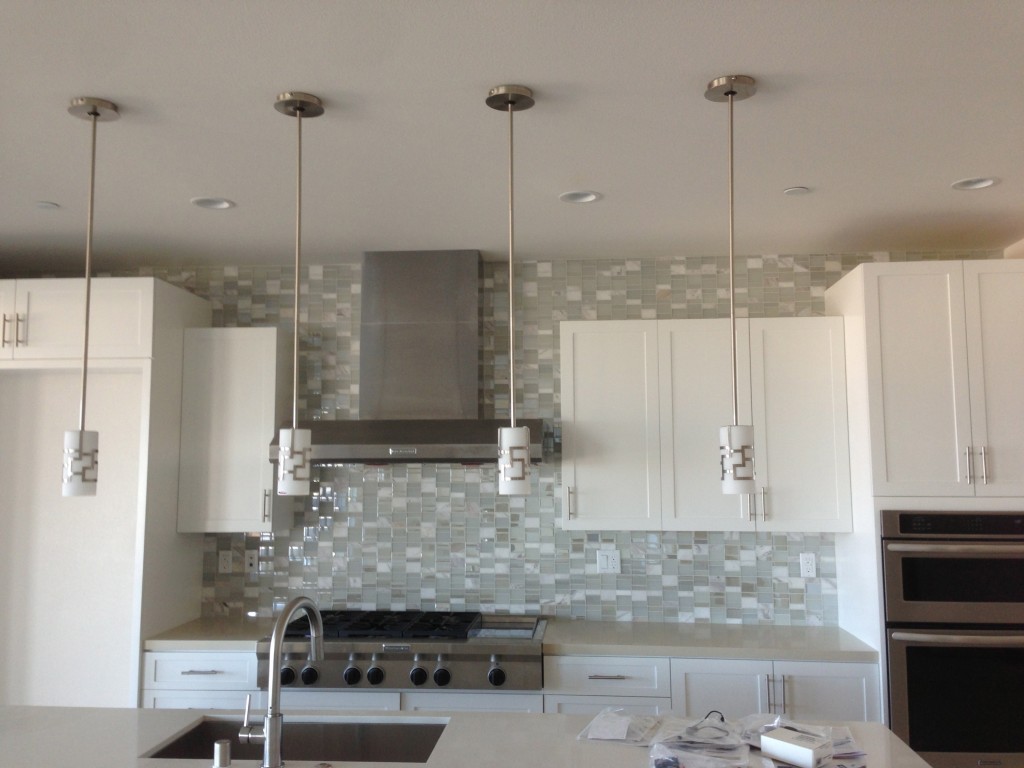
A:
(418, 367)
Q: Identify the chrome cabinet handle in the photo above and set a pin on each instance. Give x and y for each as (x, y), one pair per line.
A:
(768, 692)
(3, 339)
(569, 492)
(984, 466)
(607, 677)
(970, 464)
(1003, 641)
(958, 549)
(202, 672)
(19, 320)
(764, 504)
(266, 506)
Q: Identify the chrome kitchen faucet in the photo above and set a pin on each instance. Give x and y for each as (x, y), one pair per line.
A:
(269, 734)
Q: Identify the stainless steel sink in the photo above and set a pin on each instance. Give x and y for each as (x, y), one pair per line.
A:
(398, 740)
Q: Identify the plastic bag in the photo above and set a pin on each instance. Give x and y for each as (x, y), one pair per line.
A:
(613, 724)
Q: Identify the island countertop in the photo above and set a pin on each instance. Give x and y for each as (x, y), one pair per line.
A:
(116, 738)
(568, 637)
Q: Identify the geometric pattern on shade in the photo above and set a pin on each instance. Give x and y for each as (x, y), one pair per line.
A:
(438, 536)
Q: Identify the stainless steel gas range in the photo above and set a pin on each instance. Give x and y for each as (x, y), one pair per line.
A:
(412, 650)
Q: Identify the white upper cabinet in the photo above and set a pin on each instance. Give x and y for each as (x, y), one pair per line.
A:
(610, 425)
(231, 401)
(801, 441)
(45, 319)
(940, 359)
(696, 400)
(791, 383)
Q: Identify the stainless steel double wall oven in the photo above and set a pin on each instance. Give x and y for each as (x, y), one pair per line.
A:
(954, 612)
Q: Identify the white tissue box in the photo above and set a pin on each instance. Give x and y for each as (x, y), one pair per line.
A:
(805, 750)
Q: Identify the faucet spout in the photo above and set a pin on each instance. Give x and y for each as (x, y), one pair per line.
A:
(270, 734)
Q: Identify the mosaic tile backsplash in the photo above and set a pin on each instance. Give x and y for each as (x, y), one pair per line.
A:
(437, 536)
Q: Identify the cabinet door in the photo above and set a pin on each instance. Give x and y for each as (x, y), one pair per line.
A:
(610, 425)
(735, 687)
(171, 699)
(917, 374)
(801, 453)
(10, 322)
(612, 676)
(994, 296)
(695, 370)
(52, 315)
(228, 410)
(810, 690)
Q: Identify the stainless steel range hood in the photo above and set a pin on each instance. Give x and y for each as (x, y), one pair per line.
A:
(418, 367)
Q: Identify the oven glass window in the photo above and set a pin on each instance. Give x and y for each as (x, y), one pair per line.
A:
(963, 580)
(965, 699)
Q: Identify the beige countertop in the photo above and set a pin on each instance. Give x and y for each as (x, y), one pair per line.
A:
(115, 738)
(566, 637)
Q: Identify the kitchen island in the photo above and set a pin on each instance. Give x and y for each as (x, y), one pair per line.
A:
(116, 738)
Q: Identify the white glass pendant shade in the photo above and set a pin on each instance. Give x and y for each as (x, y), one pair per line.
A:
(736, 456)
(514, 461)
(293, 462)
(81, 462)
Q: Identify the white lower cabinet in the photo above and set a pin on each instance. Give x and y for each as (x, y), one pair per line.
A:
(297, 699)
(588, 684)
(199, 679)
(802, 690)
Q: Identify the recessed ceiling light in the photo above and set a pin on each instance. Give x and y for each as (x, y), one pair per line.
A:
(796, 191)
(47, 205)
(212, 203)
(979, 182)
(580, 196)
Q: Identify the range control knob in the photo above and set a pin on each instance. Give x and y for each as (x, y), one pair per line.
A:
(375, 675)
(352, 675)
(309, 675)
(442, 676)
(496, 676)
(418, 676)
(287, 675)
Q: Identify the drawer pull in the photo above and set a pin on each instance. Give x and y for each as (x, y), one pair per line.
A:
(202, 672)
(607, 677)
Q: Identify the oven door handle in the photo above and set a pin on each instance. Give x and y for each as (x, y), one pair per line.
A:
(1002, 641)
(968, 549)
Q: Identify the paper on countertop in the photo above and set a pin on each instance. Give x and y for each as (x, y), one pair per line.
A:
(615, 725)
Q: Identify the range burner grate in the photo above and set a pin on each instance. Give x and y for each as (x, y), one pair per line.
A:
(345, 624)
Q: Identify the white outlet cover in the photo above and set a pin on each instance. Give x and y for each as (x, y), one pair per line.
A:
(808, 566)
(224, 561)
(609, 561)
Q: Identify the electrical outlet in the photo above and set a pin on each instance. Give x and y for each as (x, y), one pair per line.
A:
(808, 567)
(251, 561)
(609, 561)
(224, 561)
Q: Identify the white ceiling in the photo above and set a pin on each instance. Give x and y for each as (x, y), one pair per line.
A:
(876, 105)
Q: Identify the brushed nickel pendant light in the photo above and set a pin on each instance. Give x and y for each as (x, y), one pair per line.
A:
(295, 445)
(736, 441)
(513, 441)
(81, 446)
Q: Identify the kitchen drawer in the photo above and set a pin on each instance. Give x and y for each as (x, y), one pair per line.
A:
(200, 671)
(227, 700)
(607, 676)
(473, 701)
(297, 699)
(561, 704)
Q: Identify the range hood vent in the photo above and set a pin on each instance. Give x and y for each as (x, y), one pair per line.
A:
(419, 350)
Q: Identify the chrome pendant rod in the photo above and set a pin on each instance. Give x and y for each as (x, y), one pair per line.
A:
(511, 291)
(298, 261)
(732, 261)
(93, 117)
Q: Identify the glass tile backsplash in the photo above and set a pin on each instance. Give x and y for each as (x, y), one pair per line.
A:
(437, 536)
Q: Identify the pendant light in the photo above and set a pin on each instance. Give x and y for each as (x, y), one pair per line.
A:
(81, 446)
(513, 441)
(736, 441)
(295, 445)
